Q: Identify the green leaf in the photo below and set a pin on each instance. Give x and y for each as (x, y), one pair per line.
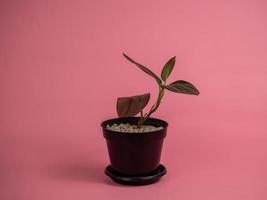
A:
(181, 86)
(143, 68)
(167, 69)
(130, 106)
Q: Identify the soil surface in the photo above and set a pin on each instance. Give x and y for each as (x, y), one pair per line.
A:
(128, 128)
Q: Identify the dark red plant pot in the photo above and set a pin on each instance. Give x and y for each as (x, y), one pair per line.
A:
(134, 153)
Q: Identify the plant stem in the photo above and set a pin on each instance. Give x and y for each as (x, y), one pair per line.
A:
(152, 109)
(140, 122)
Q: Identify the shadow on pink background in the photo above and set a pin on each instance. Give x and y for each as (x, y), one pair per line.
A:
(61, 70)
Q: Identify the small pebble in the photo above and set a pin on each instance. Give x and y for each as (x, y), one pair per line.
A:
(128, 128)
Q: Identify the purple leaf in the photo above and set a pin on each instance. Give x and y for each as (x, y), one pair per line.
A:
(130, 106)
(181, 86)
(143, 68)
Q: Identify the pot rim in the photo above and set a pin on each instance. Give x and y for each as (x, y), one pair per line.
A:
(163, 123)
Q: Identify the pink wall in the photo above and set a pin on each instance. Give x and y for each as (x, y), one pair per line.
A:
(61, 70)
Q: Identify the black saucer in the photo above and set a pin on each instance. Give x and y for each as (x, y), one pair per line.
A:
(136, 180)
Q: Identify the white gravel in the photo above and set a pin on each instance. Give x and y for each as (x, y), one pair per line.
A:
(128, 128)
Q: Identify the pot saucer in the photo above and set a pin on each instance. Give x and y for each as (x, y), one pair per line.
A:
(136, 180)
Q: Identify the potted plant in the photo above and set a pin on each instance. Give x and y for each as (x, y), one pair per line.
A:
(135, 143)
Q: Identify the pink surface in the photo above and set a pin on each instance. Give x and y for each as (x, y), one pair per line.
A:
(61, 70)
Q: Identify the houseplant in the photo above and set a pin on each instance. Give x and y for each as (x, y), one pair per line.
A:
(135, 143)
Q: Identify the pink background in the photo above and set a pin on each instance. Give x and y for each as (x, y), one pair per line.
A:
(61, 70)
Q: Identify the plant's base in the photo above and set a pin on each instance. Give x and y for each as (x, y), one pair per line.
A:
(136, 180)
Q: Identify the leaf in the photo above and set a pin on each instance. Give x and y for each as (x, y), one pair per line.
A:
(167, 69)
(126, 107)
(143, 68)
(181, 86)
(130, 106)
